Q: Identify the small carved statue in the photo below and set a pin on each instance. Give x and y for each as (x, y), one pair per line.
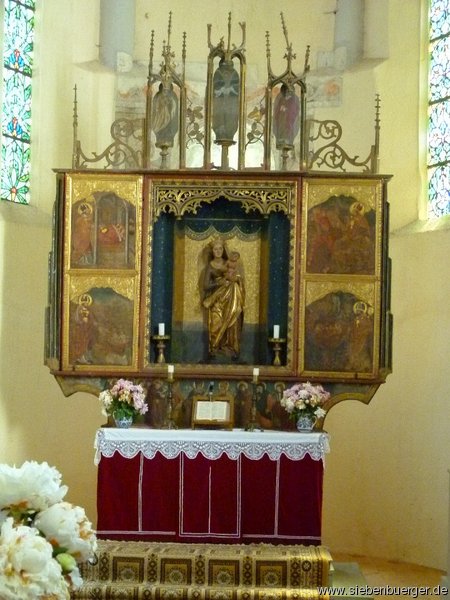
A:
(225, 101)
(224, 300)
(286, 121)
(165, 116)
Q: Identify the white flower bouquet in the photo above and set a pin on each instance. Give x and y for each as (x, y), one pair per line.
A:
(124, 399)
(42, 538)
(305, 399)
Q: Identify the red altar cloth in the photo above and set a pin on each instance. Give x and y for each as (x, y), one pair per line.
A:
(210, 486)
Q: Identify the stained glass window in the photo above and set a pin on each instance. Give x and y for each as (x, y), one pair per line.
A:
(16, 100)
(439, 110)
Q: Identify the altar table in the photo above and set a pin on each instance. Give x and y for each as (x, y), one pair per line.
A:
(210, 486)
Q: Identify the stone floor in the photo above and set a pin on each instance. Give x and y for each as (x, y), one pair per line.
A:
(380, 573)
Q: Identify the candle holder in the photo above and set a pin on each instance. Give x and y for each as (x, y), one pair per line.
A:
(277, 347)
(254, 425)
(169, 422)
(161, 343)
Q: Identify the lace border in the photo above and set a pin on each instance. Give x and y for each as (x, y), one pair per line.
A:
(293, 447)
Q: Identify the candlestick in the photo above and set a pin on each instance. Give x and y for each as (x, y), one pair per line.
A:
(276, 332)
(160, 341)
(169, 422)
(253, 425)
(277, 348)
(162, 328)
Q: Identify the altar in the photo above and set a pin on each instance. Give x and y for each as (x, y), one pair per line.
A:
(210, 486)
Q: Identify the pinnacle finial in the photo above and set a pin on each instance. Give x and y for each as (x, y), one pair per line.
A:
(169, 29)
(285, 31)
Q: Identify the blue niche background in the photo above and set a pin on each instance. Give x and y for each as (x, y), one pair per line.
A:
(224, 216)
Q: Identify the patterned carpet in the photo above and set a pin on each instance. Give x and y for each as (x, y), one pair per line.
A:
(148, 570)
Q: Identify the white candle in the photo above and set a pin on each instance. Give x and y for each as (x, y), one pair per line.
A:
(255, 374)
(170, 371)
(161, 329)
(276, 332)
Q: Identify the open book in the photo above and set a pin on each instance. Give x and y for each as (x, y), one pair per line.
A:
(215, 410)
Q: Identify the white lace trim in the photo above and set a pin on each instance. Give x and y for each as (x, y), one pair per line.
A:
(211, 444)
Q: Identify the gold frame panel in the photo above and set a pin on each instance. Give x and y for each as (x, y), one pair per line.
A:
(119, 272)
(342, 221)
(181, 197)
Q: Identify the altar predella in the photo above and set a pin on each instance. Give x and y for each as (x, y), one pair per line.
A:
(223, 237)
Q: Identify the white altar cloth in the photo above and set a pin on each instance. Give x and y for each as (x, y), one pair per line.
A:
(210, 443)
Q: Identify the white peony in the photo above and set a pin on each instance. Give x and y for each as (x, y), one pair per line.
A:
(70, 569)
(68, 527)
(76, 580)
(33, 486)
(34, 523)
(27, 569)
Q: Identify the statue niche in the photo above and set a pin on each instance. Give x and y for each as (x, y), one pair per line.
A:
(226, 276)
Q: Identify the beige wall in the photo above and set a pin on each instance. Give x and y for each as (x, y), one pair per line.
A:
(386, 482)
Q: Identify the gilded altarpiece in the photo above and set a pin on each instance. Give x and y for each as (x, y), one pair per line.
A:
(305, 254)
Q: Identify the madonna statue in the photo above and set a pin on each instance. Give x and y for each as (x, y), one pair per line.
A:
(224, 299)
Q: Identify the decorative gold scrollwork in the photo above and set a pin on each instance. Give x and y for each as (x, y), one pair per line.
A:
(178, 198)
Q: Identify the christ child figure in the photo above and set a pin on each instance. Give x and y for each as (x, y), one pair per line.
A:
(232, 265)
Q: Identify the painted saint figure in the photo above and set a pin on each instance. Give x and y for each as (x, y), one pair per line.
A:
(82, 232)
(224, 300)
